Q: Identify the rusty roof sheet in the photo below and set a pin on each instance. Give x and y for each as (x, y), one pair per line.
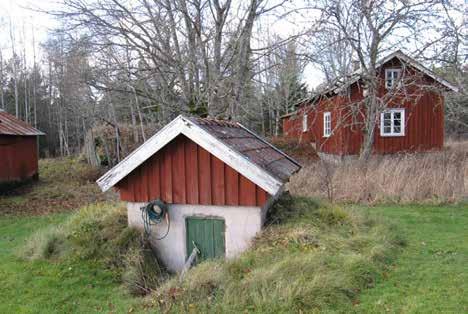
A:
(10, 125)
(251, 146)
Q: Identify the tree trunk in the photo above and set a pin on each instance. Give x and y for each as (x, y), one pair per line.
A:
(371, 115)
(244, 58)
(15, 70)
(2, 98)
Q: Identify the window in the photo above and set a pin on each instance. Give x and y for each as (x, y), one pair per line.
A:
(304, 123)
(327, 124)
(392, 122)
(391, 77)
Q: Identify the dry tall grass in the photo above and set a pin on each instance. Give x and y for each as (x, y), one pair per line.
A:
(433, 177)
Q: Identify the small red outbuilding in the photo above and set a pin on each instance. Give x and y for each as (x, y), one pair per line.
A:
(217, 179)
(18, 150)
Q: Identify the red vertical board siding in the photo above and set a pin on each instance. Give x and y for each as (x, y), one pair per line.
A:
(178, 172)
(247, 192)
(166, 174)
(126, 190)
(145, 177)
(155, 184)
(18, 158)
(262, 196)
(292, 125)
(191, 168)
(217, 175)
(204, 182)
(441, 125)
(232, 186)
(134, 184)
(185, 173)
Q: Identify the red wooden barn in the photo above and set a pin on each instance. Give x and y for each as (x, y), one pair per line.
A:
(218, 179)
(411, 119)
(18, 150)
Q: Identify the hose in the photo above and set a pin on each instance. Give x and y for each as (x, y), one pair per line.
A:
(152, 214)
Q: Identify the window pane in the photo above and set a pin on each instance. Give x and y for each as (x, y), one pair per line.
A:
(397, 129)
(387, 129)
(397, 115)
(387, 115)
(387, 123)
(326, 124)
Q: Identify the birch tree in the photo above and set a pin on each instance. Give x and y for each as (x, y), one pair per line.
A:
(2, 81)
(15, 68)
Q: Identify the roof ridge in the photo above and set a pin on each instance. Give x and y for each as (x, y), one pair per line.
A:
(216, 121)
(356, 75)
(270, 145)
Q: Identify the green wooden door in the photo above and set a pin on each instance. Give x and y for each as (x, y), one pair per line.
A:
(208, 236)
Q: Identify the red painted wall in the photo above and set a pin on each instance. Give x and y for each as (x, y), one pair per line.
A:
(292, 126)
(184, 173)
(18, 158)
(424, 115)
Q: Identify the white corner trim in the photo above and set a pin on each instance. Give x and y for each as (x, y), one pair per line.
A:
(182, 125)
(305, 126)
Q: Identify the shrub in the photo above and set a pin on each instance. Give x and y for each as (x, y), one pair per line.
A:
(46, 244)
(141, 271)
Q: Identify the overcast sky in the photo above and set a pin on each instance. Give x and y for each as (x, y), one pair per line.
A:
(27, 20)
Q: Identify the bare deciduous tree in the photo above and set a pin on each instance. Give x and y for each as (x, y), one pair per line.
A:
(372, 29)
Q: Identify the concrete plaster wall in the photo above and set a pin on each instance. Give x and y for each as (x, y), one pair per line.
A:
(242, 224)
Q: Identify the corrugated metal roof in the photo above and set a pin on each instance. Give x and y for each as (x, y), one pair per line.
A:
(10, 125)
(254, 148)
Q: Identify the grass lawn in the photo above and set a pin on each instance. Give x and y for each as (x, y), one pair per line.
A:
(431, 275)
(44, 287)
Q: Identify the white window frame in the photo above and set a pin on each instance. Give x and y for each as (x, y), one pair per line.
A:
(393, 80)
(392, 121)
(327, 127)
(304, 123)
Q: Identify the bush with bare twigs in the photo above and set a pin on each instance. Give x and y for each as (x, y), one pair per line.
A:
(432, 177)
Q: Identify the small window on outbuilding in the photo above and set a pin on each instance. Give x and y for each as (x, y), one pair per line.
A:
(391, 78)
(304, 123)
(392, 122)
(327, 129)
